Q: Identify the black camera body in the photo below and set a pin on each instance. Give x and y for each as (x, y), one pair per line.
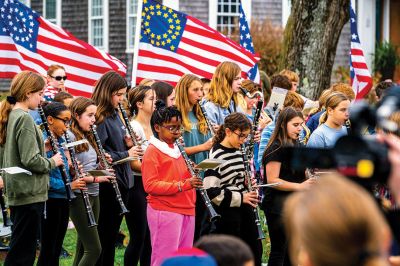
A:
(358, 156)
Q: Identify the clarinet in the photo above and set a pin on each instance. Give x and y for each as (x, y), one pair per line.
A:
(204, 112)
(213, 214)
(255, 127)
(85, 194)
(6, 218)
(114, 183)
(247, 173)
(131, 132)
(55, 148)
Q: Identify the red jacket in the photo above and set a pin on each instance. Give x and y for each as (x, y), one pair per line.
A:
(161, 174)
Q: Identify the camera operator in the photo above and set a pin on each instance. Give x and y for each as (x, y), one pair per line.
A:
(394, 156)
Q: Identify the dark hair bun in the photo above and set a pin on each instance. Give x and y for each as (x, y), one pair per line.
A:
(160, 104)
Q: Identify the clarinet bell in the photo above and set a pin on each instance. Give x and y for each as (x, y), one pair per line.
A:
(124, 210)
(214, 216)
(7, 221)
(260, 233)
(91, 221)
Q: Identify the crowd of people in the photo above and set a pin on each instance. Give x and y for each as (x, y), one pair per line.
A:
(126, 162)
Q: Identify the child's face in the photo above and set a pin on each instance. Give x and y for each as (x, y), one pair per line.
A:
(60, 123)
(206, 88)
(194, 92)
(236, 137)
(237, 82)
(250, 102)
(171, 99)
(149, 102)
(294, 127)
(87, 118)
(118, 97)
(169, 131)
(340, 113)
(34, 99)
(57, 79)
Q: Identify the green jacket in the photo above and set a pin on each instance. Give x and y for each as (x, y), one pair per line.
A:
(24, 148)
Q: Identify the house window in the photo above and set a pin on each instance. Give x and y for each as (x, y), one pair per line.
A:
(131, 22)
(228, 17)
(52, 11)
(98, 23)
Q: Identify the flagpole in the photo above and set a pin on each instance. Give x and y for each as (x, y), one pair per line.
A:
(137, 40)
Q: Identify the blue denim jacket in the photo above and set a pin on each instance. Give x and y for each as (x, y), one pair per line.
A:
(57, 186)
(216, 114)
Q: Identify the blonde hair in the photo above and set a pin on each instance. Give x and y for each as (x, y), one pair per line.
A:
(251, 86)
(344, 88)
(183, 105)
(292, 76)
(321, 102)
(332, 102)
(293, 99)
(23, 83)
(335, 222)
(221, 84)
(147, 82)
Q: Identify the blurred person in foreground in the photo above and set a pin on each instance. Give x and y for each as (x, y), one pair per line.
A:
(336, 222)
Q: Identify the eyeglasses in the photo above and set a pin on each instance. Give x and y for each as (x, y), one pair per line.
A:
(242, 136)
(59, 78)
(173, 129)
(67, 122)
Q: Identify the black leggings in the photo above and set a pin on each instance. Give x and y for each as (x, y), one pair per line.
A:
(279, 255)
(25, 228)
(109, 222)
(139, 246)
(53, 230)
(240, 222)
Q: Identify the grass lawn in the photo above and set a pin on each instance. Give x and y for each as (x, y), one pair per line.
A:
(70, 240)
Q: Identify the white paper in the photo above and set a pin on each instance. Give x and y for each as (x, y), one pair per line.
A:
(209, 163)
(99, 173)
(75, 143)
(15, 170)
(277, 99)
(125, 160)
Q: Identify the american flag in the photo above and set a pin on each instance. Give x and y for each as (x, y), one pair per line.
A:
(247, 43)
(172, 43)
(361, 80)
(29, 42)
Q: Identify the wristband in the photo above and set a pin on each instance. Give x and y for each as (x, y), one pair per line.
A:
(94, 179)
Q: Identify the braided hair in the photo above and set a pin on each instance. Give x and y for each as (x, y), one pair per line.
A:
(53, 109)
(163, 114)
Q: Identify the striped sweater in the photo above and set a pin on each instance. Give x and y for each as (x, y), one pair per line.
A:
(225, 184)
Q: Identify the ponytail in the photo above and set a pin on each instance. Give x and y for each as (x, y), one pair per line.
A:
(323, 118)
(5, 109)
(220, 134)
(233, 121)
(23, 83)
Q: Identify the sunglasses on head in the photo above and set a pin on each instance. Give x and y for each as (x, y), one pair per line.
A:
(59, 78)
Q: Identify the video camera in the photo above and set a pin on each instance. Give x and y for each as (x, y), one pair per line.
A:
(357, 156)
